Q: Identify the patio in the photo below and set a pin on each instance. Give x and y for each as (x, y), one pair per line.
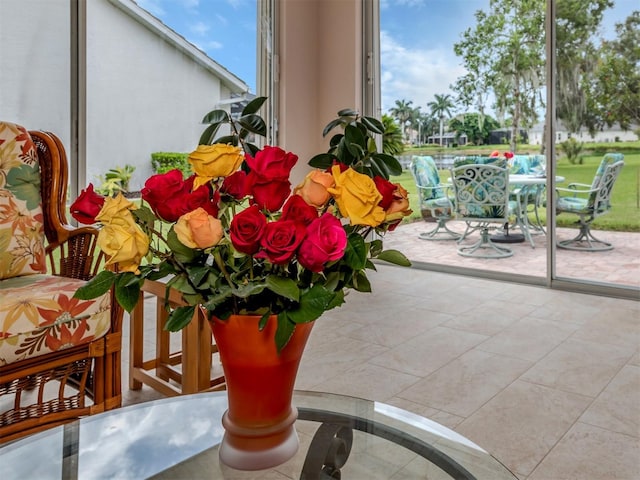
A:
(619, 266)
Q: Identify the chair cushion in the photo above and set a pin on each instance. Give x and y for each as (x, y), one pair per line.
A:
(573, 205)
(38, 315)
(425, 173)
(21, 228)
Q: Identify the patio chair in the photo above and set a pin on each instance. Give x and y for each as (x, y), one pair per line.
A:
(590, 202)
(59, 356)
(435, 204)
(529, 198)
(481, 198)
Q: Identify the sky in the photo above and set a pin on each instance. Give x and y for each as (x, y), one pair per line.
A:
(416, 39)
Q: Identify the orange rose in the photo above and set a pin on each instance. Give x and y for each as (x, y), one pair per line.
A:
(198, 229)
(399, 206)
(313, 188)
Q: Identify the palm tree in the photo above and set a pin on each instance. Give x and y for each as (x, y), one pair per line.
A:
(441, 108)
(402, 112)
(392, 137)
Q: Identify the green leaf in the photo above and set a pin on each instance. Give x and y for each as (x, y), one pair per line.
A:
(322, 161)
(97, 286)
(253, 106)
(378, 168)
(251, 288)
(209, 134)
(128, 292)
(361, 282)
(230, 139)
(356, 252)
(391, 163)
(253, 123)
(181, 284)
(182, 252)
(145, 216)
(263, 321)
(395, 257)
(354, 137)
(313, 303)
(224, 292)
(252, 149)
(285, 287)
(373, 124)
(198, 273)
(331, 125)
(284, 331)
(347, 112)
(216, 116)
(338, 299)
(179, 318)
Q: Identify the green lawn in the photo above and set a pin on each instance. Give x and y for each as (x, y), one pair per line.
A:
(624, 216)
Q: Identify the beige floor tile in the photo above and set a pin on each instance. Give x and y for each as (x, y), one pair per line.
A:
(486, 319)
(579, 367)
(429, 351)
(462, 386)
(618, 406)
(528, 339)
(521, 424)
(367, 381)
(614, 326)
(589, 452)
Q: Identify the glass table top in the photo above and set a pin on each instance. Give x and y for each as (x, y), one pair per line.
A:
(178, 437)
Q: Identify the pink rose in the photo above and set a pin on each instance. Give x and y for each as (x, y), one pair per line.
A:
(326, 241)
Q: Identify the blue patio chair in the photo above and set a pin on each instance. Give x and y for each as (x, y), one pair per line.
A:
(434, 201)
(481, 197)
(529, 198)
(590, 202)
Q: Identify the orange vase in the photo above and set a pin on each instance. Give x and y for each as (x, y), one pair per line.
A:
(259, 422)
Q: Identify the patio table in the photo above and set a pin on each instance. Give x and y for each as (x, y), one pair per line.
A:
(178, 437)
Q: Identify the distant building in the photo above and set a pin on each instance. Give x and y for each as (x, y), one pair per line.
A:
(147, 87)
(449, 139)
(606, 135)
(503, 136)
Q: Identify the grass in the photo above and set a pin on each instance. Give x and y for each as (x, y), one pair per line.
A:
(624, 216)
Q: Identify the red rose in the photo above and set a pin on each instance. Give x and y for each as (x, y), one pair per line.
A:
(235, 185)
(326, 241)
(87, 206)
(508, 155)
(280, 241)
(298, 210)
(162, 193)
(170, 197)
(386, 189)
(267, 194)
(272, 163)
(246, 230)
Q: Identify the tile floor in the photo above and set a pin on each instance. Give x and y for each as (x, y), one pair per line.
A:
(546, 381)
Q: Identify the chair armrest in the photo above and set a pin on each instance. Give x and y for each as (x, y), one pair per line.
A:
(75, 252)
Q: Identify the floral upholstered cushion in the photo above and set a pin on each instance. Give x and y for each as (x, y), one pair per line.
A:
(425, 173)
(38, 315)
(21, 230)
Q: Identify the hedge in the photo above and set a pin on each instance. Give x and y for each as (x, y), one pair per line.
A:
(162, 162)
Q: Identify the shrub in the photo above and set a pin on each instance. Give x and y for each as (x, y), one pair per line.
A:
(116, 180)
(162, 162)
(572, 149)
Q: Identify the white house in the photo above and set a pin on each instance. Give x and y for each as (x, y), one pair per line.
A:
(147, 88)
(613, 134)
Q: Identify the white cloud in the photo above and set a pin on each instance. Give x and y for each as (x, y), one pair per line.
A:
(413, 74)
(154, 7)
(190, 4)
(199, 28)
(208, 46)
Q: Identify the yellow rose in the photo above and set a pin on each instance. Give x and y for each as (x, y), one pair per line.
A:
(313, 188)
(113, 208)
(357, 197)
(126, 245)
(214, 161)
(198, 229)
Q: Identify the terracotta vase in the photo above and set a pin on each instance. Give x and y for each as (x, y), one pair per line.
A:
(259, 422)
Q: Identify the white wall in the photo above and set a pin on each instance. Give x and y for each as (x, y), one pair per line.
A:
(34, 64)
(143, 95)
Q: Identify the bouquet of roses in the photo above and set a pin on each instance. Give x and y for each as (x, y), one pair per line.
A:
(235, 238)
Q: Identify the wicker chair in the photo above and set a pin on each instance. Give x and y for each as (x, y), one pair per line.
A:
(68, 364)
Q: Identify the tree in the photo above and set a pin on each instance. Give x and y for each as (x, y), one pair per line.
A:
(392, 137)
(476, 131)
(616, 92)
(504, 53)
(402, 112)
(576, 59)
(441, 108)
